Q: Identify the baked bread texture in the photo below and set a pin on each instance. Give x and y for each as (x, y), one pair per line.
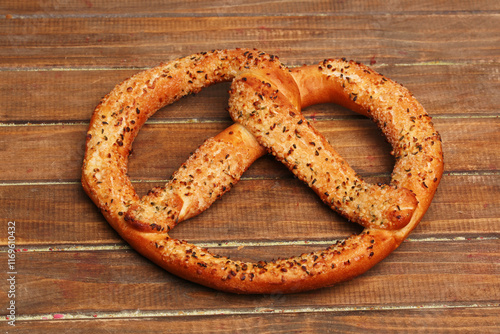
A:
(265, 102)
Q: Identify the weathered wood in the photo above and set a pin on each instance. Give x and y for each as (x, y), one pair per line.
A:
(284, 210)
(71, 96)
(55, 152)
(225, 8)
(105, 42)
(429, 273)
(74, 273)
(434, 318)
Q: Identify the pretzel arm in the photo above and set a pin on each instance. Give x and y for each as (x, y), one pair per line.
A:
(120, 115)
(403, 120)
(280, 127)
(212, 170)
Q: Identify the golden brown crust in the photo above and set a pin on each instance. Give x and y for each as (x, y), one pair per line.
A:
(264, 91)
(210, 172)
(405, 123)
(279, 126)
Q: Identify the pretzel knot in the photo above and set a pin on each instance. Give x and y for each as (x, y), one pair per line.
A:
(265, 102)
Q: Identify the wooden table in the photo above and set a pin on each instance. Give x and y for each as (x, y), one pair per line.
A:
(72, 273)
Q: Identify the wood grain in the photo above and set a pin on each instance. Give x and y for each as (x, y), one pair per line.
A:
(435, 86)
(224, 7)
(75, 274)
(121, 280)
(54, 152)
(139, 42)
(61, 214)
(355, 320)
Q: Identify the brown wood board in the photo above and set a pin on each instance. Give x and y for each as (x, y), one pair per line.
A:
(75, 274)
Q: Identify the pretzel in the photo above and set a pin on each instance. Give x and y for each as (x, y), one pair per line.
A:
(265, 102)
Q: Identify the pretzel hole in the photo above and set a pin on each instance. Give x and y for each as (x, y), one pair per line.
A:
(208, 105)
(173, 143)
(281, 205)
(281, 210)
(175, 131)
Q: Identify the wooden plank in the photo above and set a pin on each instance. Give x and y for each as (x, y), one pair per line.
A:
(418, 273)
(432, 319)
(61, 214)
(57, 58)
(139, 42)
(55, 152)
(224, 7)
(71, 96)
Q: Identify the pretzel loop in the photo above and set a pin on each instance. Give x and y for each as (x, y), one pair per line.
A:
(265, 100)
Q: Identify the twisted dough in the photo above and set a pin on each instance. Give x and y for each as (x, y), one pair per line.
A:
(266, 98)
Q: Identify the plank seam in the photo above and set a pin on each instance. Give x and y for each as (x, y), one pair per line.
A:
(138, 314)
(481, 62)
(233, 244)
(24, 123)
(13, 183)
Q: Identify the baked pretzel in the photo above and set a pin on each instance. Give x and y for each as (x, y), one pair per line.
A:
(265, 102)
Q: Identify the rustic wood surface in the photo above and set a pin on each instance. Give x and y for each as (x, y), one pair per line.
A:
(72, 272)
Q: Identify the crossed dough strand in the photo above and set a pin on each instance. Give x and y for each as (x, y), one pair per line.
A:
(219, 162)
